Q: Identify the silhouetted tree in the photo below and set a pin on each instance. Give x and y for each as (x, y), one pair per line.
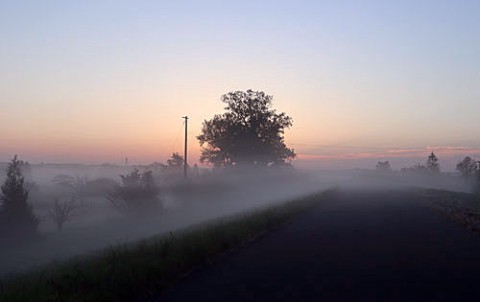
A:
(383, 166)
(432, 165)
(16, 215)
(467, 167)
(249, 133)
(63, 212)
(175, 161)
(138, 192)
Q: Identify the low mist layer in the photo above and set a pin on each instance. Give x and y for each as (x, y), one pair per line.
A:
(93, 222)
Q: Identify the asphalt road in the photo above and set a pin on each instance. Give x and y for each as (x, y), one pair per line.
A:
(359, 246)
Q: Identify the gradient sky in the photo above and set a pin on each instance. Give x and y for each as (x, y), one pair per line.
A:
(95, 81)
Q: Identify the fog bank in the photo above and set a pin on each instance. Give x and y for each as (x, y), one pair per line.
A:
(203, 197)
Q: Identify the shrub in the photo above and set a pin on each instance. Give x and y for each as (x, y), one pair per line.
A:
(137, 193)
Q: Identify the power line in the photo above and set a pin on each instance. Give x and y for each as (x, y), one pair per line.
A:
(185, 151)
(174, 144)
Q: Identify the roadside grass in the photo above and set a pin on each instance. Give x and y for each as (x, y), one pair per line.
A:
(136, 271)
(464, 208)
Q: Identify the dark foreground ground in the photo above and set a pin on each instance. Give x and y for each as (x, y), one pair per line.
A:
(359, 246)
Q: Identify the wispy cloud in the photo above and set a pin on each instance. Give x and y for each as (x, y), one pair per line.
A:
(348, 153)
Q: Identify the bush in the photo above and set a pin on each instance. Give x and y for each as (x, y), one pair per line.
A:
(138, 193)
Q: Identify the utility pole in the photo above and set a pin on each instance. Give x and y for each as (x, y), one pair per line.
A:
(185, 151)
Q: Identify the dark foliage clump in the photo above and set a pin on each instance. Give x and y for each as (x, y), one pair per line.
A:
(17, 220)
(137, 193)
(175, 161)
(383, 166)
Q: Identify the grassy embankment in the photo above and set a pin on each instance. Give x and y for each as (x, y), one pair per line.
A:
(463, 208)
(134, 271)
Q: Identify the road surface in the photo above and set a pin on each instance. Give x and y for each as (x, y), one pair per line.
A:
(358, 246)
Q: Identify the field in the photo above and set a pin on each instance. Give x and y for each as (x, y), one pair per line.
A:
(461, 207)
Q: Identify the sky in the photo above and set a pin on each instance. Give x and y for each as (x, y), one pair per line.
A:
(98, 81)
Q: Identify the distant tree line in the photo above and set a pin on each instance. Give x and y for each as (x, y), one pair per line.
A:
(431, 166)
(468, 168)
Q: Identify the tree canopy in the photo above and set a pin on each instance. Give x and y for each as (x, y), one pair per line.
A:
(249, 133)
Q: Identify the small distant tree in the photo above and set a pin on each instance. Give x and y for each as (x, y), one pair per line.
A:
(383, 166)
(468, 167)
(63, 212)
(175, 161)
(432, 165)
(16, 214)
(137, 193)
